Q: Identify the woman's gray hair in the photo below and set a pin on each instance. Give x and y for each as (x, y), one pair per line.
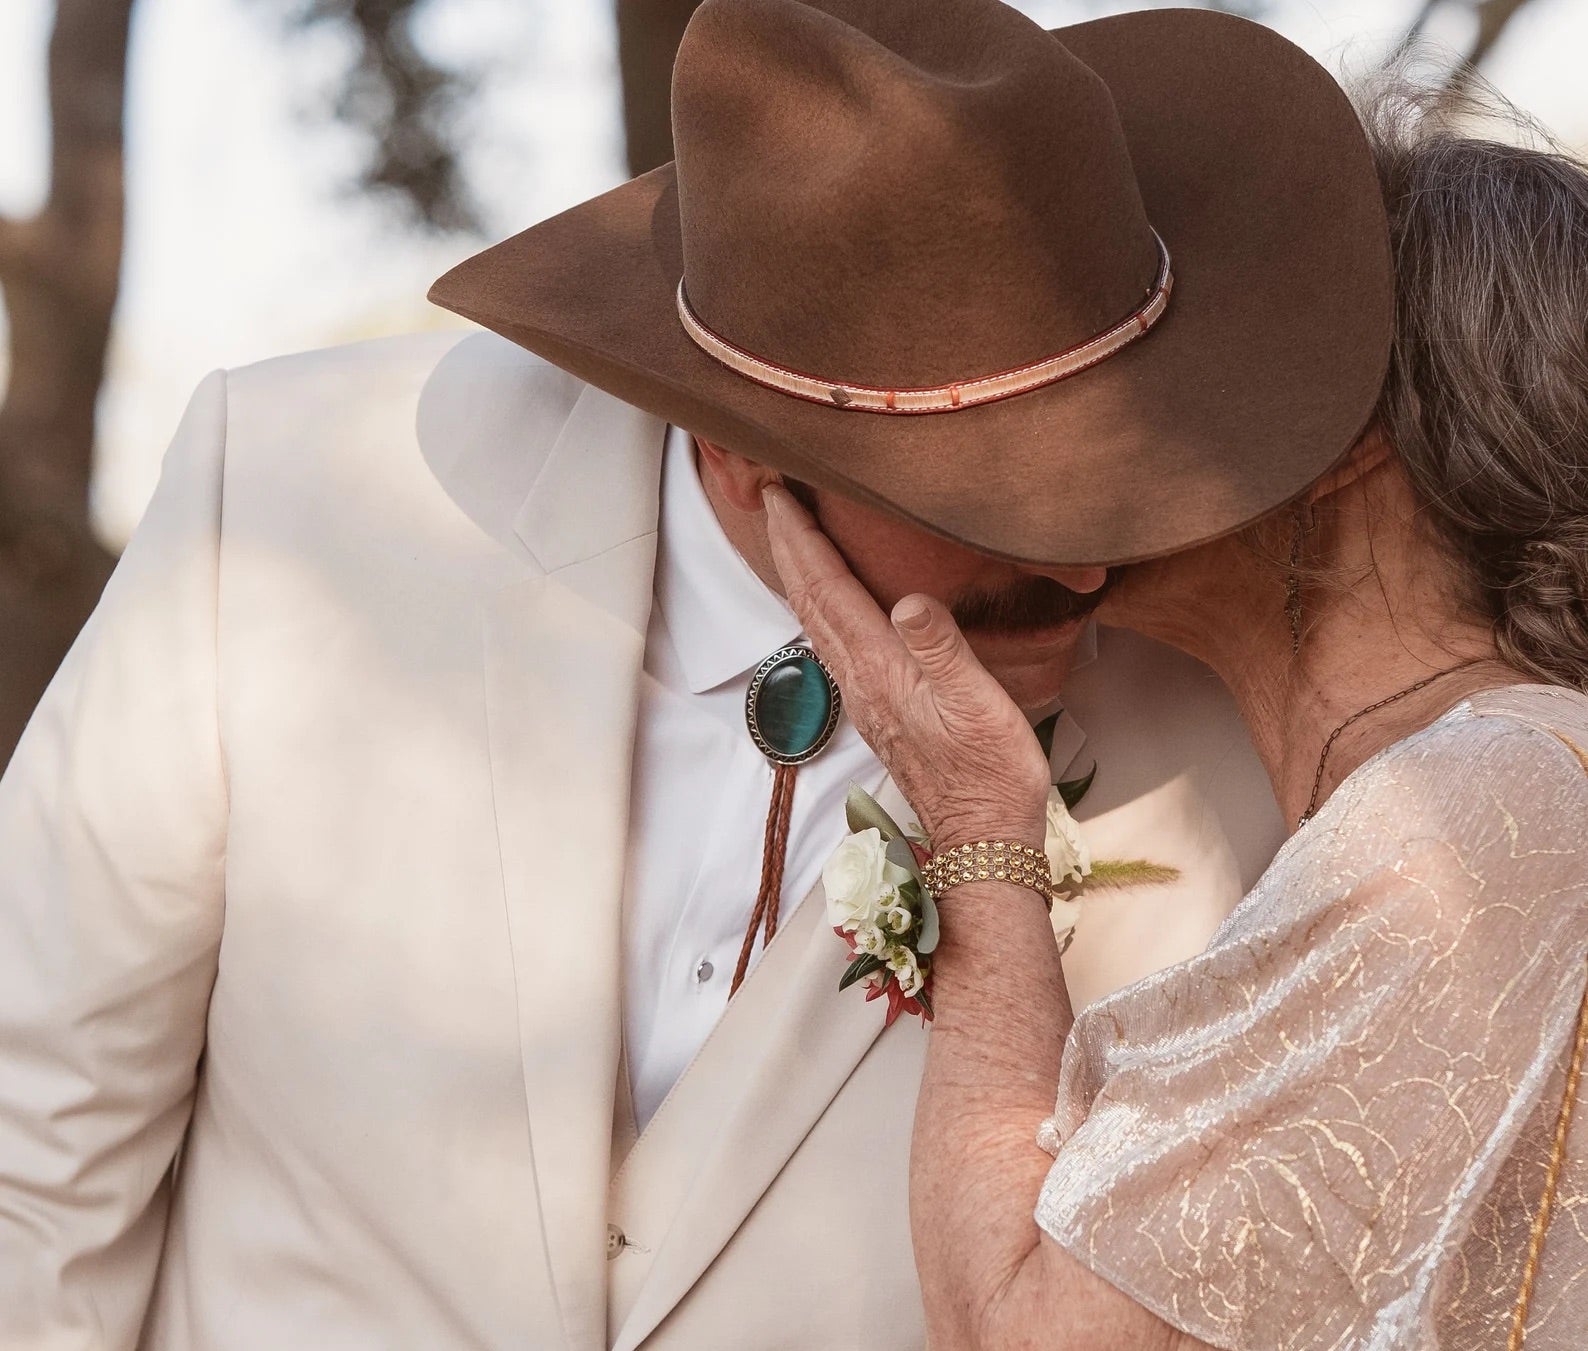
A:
(1486, 401)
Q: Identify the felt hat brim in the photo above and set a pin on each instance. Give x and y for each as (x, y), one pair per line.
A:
(1266, 369)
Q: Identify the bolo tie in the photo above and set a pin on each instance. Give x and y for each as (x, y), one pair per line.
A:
(791, 710)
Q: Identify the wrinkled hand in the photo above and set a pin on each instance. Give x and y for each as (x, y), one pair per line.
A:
(958, 747)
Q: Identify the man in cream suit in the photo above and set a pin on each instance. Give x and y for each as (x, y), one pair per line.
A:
(371, 874)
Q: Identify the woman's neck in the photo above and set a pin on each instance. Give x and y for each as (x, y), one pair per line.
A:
(1386, 616)
(1357, 653)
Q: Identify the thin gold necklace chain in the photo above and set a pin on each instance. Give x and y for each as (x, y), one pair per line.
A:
(1323, 760)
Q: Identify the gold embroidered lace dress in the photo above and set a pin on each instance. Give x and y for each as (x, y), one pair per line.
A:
(1333, 1128)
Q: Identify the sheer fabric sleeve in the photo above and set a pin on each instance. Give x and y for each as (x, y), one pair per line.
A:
(1302, 1137)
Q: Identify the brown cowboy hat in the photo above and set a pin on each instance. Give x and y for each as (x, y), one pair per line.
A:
(1085, 297)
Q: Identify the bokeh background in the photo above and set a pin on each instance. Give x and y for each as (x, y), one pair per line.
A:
(187, 184)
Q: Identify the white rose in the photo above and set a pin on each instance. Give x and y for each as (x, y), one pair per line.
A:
(853, 879)
(1065, 846)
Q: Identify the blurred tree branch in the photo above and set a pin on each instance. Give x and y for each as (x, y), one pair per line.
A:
(404, 104)
(1494, 17)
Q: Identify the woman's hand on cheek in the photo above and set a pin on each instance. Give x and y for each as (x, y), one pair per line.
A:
(958, 747)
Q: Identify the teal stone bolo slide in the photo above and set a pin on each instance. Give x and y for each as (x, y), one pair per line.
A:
(791, 710)
(792, 707)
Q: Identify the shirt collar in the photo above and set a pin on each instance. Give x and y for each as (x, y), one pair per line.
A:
(723, 619)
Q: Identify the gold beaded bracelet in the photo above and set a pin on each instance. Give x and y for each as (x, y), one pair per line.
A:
(990, 861)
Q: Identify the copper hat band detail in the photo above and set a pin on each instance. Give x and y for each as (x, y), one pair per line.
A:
(943, 398)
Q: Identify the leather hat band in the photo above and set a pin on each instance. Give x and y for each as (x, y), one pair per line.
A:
(942, 398)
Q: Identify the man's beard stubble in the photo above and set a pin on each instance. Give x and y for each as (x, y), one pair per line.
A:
(1031, 605)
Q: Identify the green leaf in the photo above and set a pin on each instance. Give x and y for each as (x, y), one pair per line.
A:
(864, 813)
(901, 855)
(915, 895)
(1046, 730)
(1107, 874)
(1073, 790)
(925, 1001)
(859, 969)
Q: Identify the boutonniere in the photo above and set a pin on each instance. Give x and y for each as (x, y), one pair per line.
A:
(877, 904)
(1066, 846)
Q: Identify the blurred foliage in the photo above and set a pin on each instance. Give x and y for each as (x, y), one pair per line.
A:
(402, 103)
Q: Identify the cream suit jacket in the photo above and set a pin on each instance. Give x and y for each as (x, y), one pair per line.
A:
(310, 875)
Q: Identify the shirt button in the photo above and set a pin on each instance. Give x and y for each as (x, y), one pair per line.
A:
(617, 1241)
(705, 971)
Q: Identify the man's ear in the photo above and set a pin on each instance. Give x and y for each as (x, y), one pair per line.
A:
(739, 481)
(1367, 455)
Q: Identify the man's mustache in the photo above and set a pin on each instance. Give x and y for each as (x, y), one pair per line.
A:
(1027, 606)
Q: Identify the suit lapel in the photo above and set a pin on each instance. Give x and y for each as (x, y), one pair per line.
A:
(783, 1050)
(563, 658)
(1068, 737)
(1068, 742)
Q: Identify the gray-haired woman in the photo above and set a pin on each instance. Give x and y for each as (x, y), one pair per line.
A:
(1349, 1122)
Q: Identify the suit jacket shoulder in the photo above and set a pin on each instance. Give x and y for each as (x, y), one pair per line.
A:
(368, 433)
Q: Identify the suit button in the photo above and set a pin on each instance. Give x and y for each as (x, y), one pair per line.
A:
(617, 1241)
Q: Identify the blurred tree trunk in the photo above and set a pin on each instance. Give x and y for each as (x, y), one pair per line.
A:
(59, 273)
(648, 35)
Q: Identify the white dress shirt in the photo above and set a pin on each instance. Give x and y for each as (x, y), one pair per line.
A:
(702, 790)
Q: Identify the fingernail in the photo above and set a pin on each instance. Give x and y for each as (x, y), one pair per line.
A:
(772, 499)
(911, 613)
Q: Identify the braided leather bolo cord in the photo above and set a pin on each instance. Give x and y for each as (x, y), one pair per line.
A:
(774, 853)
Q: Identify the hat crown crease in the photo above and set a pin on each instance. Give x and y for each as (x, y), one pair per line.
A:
(901, 215)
